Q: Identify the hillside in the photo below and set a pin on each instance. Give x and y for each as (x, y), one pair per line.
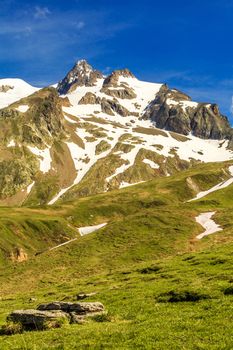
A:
(147, 254)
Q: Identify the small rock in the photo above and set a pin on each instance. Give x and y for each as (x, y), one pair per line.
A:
(32, 300)
(82, 296)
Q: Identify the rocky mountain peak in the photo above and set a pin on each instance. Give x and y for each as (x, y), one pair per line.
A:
(114, 78)
(82, 74)
(81, 67)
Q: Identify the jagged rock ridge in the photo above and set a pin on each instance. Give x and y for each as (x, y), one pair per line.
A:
(82, 74)
(173, 110)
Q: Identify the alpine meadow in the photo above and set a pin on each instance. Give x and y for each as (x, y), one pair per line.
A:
(116, 187)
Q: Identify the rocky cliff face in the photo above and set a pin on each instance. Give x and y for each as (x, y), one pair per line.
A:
(173, 110)
(82, 74)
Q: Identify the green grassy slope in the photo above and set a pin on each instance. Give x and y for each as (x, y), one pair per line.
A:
(145, 255)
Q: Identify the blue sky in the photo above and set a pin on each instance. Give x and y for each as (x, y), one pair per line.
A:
(187, 44)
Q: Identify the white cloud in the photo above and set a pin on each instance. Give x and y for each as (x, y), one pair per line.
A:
(41, 12)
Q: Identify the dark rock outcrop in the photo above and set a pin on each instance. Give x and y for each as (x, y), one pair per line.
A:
(47, 113)
(113, 106)
(174, 111)
(125, 93)
(113, 81)
(82, 74)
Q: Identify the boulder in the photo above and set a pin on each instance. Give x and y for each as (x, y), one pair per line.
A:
(55, 305)
(78, 308)
(86, 308)
(37, 319)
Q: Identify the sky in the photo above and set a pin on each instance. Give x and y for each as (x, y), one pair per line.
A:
(186, 44)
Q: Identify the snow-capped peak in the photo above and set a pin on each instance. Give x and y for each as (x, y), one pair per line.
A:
(13, 89)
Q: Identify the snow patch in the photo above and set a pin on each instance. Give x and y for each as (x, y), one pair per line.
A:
(209, 225)
(152, 164)
(29, 188)
(44, 158)
(127, 184)
(11, 144)
(89, 229)
(23, 108)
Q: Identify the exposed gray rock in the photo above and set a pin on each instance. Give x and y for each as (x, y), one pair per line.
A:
(111, 106)
(90, 98)
(86, 308)
(201, 119)
(82, 74)
(78, 308)
(82, 296)
(36, 319)
(56, 305)
(125, 93)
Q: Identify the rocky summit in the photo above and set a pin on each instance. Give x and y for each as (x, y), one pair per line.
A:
(92, 133)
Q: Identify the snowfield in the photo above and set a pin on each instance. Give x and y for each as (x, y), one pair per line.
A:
(18, 89)
(44, 158)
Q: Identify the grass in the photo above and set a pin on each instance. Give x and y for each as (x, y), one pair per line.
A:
(162, 288)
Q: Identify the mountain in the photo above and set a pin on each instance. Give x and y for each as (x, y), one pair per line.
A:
(157, 255)
(93, 134)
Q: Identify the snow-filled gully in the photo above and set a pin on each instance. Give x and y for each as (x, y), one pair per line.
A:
(83, 231)
(208, 224)
(217, 187)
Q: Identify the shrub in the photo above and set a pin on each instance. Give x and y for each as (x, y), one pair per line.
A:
(228, 291)
(181, 296)
(150, 269)
(104, 317)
